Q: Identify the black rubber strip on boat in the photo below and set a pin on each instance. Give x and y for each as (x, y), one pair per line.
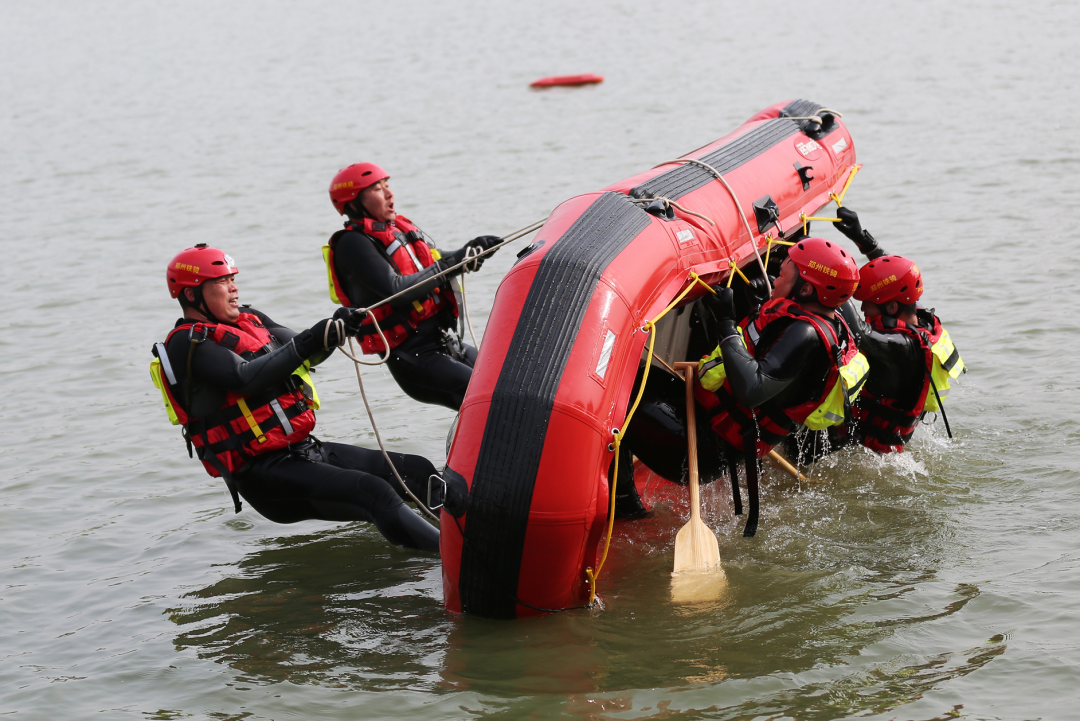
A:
(684, 179)
(524, 396)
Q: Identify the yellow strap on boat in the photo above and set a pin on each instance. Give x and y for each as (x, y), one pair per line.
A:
(807, 218)
(851, 176)
(771, 242)
(731, 276)
(617, 434)
(259, 435)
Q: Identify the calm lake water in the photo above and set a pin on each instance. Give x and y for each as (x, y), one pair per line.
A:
(941, 584)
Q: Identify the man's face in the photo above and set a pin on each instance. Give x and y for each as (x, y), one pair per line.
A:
(789, 273)
(870, 309)
(222, 298)
(378, 201)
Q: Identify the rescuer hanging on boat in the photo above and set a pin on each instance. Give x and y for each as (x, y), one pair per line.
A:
(240, 386)
(912, 358)
(379, 254)
(793, 362)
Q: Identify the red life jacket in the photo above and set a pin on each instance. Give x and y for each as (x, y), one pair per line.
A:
(407, 252)
(245, 426)
(771, 422)
(884, 425)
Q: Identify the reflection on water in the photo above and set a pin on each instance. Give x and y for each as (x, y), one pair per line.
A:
(341, 608)
(839, 565)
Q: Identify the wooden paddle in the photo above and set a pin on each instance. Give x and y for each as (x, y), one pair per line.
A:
(784, 464)
(696, 547)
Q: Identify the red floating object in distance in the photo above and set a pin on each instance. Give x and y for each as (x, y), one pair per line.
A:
(567, 80)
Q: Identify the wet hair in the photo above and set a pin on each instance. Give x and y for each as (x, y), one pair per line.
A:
(904, 308)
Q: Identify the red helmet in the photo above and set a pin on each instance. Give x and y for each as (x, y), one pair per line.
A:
(828, 267)
(191, 267)
(890, 277)
(349, 181)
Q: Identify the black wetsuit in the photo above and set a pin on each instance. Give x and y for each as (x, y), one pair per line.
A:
(897, 365)
(422, 365)
(310, 479)
(789, 368)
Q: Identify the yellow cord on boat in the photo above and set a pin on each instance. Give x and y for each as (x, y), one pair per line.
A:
(851, 176)
(618, 434)
(807, 218)
(735, 268)
(768, 247)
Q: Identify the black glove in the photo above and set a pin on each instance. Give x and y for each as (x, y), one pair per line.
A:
(722, 306)
(352, 318)
(459, 255)
(485, 242)
(757, 292)
(327, 334)
(850, 226)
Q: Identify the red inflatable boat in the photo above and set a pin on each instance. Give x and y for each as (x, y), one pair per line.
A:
(527, 471)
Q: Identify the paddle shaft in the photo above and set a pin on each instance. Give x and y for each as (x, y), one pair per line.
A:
(688, 371)
(696, 547)
(783, 463)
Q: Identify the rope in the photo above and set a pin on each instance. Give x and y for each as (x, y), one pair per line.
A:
(738, 207)
(371, 417)
(470, 254)
(851, 176)
(774, 241)
(669, 203)
(469, 264)
(617, 434)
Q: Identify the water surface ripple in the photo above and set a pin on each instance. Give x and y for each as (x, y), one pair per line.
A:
(941, 584)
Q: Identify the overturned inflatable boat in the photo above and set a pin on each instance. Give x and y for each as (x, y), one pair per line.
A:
(527, 471)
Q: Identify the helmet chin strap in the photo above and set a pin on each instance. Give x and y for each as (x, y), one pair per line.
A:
(200, 305)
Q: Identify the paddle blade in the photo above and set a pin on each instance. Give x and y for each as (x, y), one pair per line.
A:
(696, 547)
(689, 587)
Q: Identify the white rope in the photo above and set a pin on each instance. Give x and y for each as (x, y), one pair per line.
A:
(715, 172)
(761, 264)
(371, 417)
(465, 304)
(469, 265)
(668, 203)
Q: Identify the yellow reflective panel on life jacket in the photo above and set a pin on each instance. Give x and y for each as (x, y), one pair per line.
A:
(330, 274)
(832, 410)
(854, 374)
(435, 254)
(711, 372)
(947, 355)
(159, 383)
(947, 364)
(307, 386)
